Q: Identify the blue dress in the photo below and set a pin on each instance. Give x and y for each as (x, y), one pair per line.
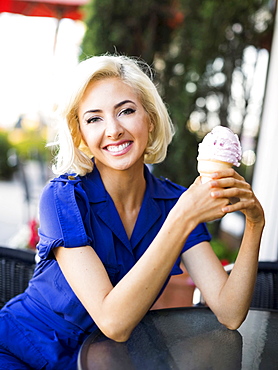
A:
(45, 326)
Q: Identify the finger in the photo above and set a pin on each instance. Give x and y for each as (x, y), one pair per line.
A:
(232, 193)
(230, 172)
(239, 206)
(229, 182)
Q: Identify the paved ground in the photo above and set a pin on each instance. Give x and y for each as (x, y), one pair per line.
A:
(16, 210)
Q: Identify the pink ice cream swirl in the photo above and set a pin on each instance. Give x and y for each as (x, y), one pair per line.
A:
(221, 144)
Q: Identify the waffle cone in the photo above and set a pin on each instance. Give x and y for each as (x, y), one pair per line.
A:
(208, 167)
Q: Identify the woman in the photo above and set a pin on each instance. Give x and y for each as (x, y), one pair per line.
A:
(111, 234)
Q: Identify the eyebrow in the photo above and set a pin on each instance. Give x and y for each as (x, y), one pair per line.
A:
(116, 106)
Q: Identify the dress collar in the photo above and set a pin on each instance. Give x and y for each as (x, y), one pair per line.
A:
(97, 193)
(149, 213)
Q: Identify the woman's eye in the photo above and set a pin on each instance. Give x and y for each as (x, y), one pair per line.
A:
(127, 111)
(92, 119)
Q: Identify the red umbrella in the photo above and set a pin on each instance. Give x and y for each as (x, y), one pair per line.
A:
(44, 8)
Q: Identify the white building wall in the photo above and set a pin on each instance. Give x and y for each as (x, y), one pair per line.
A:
(265, 181)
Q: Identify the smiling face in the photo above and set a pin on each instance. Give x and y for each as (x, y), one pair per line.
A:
(114, 124)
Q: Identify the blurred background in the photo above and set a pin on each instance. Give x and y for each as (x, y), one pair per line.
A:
(212, 65)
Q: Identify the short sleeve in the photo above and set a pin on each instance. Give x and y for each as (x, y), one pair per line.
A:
(198, 235)
(61, 223)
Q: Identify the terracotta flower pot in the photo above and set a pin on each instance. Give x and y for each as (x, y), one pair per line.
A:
(178, 293)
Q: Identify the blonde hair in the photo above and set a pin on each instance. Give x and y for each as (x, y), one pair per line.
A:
(73, 155)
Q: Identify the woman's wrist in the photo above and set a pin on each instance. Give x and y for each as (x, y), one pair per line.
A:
(255, 225)
(183, 222)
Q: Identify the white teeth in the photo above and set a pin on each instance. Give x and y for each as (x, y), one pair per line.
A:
(117, 148)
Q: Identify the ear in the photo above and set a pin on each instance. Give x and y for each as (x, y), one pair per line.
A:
(151, 126)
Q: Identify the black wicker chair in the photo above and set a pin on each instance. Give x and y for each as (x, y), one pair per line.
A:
(16, 269)
(266, 288)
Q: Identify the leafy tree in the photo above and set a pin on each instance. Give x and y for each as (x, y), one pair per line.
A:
(184, 41)
(136, 28)
(6, 171)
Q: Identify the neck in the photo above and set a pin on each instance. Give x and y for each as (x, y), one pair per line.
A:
(126, 187)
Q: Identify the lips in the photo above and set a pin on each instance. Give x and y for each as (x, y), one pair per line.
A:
(118, 148)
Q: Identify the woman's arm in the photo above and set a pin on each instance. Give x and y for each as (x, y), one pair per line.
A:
(117, 310)
(230, 297)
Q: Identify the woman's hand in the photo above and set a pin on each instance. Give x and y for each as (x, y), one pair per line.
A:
(198, 204)
(227, 192)
(229, 184)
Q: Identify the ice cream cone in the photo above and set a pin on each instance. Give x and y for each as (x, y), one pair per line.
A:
(219, 150)
(207, 167)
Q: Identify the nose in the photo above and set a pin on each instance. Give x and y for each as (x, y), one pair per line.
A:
(114, 129)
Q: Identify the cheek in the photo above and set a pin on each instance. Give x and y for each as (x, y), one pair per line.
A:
(91, 136)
